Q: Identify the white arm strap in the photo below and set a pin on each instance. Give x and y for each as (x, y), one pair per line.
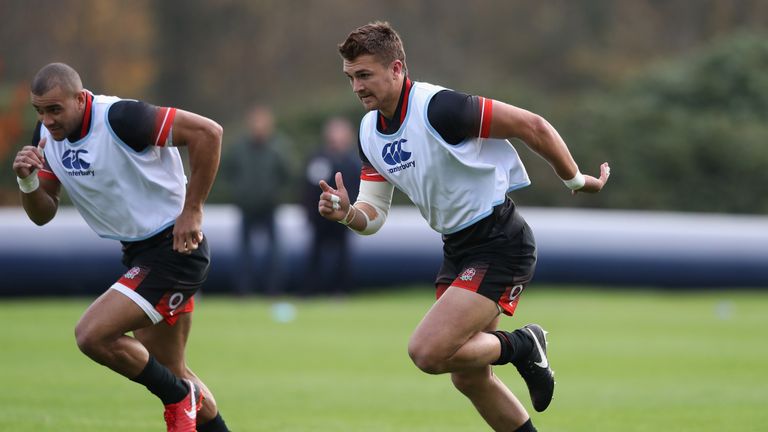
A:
(377, 194)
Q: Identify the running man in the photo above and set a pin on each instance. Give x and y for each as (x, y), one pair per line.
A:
(118, 162)
(448, 152)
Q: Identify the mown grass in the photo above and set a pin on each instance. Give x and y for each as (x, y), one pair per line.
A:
(636, 360)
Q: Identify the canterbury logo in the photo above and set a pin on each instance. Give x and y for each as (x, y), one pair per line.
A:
(393, 153)
(72, 159)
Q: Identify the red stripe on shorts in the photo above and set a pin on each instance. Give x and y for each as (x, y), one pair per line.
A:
(441, 289)
(171, 306)
(510, 298)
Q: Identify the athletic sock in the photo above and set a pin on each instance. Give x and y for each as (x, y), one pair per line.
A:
(159, 380)
(216, 424)
(526, 427)
(515, 346)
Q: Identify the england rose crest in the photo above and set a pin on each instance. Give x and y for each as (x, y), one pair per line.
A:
(468, 274)
(132, 273)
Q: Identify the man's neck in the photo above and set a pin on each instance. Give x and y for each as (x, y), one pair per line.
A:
(85, 121)
(390, 123)
(390, 110)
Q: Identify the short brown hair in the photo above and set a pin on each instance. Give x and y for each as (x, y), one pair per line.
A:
(56, 75)
(378, 39)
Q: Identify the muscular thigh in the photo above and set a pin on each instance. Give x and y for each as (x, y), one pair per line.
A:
(111, 315)
(458, 315)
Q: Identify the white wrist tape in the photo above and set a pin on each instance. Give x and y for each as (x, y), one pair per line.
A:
(577, 182)
(29, 183)
(346, 220)
(379, 196)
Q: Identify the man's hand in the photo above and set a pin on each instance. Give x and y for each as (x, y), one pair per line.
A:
(28, 159)
(186, 233)
(331, 196)
(595, 185)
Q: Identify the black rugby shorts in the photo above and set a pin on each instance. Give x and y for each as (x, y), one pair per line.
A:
(160, 280)
(495, 257)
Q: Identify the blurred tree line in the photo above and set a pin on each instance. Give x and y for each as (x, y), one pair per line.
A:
(672, 92)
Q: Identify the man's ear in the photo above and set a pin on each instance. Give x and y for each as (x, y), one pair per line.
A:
(397, 68)
(81, 97)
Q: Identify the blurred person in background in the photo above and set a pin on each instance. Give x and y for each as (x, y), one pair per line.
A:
(256, 171)
(119, 163)
(448, 151)
(328, 270)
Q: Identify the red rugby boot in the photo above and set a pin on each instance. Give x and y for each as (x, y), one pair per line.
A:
(181, 416)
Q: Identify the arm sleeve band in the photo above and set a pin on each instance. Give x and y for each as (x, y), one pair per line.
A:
(140, 125)
(457, 116)
(378, 195)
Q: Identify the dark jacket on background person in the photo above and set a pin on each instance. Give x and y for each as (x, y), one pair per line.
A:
(256, 173)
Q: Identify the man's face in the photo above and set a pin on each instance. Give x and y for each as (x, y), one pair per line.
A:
(60, 112)
(377, 85)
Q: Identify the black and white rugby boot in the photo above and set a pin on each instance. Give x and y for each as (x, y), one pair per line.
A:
(535, 369)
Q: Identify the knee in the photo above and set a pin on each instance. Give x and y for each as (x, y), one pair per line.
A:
(96, 344)
(89, 341)
(426, 359)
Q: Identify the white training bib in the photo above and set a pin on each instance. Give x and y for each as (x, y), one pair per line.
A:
(122, 194)
(453, 186)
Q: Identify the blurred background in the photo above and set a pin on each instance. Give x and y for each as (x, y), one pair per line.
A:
(672, 93)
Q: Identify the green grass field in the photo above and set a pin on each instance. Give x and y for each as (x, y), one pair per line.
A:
(625, 361)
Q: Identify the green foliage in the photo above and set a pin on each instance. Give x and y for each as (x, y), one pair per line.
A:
(726, 78)
(687, 135)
